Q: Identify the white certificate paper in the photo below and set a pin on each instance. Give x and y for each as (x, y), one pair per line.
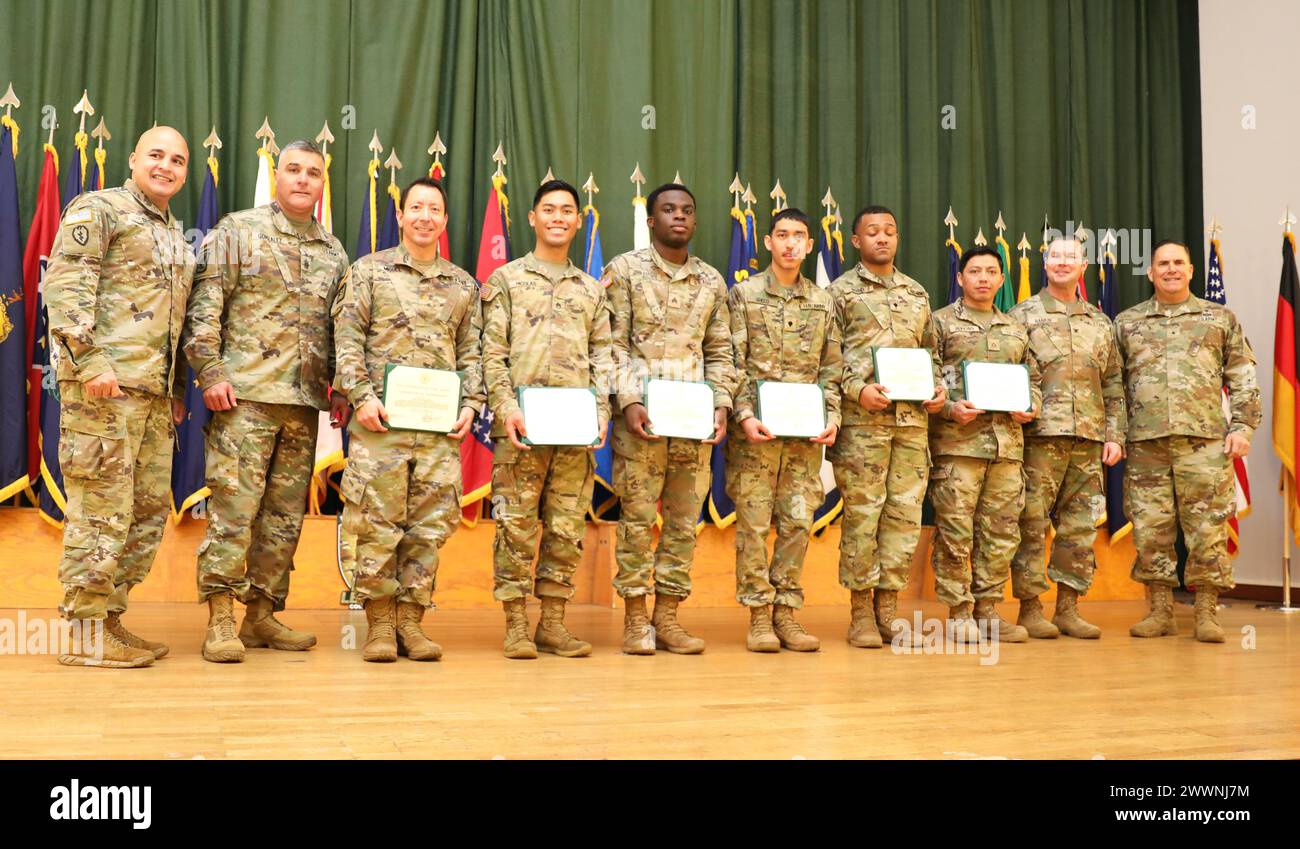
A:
(680, 408)
(421, 398)
(997, 387)
(791, 409)
(906, 373)
(559, 415)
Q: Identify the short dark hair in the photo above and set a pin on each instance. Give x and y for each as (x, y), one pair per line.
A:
(422, 181)
(555, 186)
(792, 214)
(303, 144)
(666, 187)
(1160, 244)
(979, 250)
(872, 209)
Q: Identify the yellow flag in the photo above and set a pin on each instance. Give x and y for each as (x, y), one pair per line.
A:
(1022, 289)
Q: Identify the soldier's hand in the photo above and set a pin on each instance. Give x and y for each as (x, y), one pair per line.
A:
(103, 386)
(515, 429)
(1236, 445)
(460, 430)
(719, 426)
(604, 437)
(827, 436)
(1020, 417)
(178, 410)
(340, 410)
(372, 416)
(1111, 453)
(873, 397)
(638, 421)
(756, 431)
(220, 396)
(936, 403)
(964, 412)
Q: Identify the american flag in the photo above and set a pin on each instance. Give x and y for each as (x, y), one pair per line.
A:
(1216, 293)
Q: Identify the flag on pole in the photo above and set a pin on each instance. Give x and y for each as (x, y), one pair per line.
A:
(388, 232)
(13, 324)
(830, 251)
(437, 172)
(1286, 392)
(954, 263)
(331, 442)
(640, 225)
(593, 263)
(1005, 299)
(1216, 292)
(264, 190)
(36, 252)
(1023, 289)
(1116, 521)
(368, 232)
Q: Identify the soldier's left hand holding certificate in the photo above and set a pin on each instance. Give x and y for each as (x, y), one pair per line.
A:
(421, 398)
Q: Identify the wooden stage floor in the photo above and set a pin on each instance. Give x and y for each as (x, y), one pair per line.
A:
(1114, 698)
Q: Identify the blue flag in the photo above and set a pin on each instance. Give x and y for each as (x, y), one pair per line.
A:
(13, 331)
(389, 235)
(593, 262)
(954, 262)
(1117, 522)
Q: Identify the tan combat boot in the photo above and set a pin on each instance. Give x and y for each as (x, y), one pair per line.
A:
(1208, 629)
(1032, 619)
(1159, 621)
(551, 635)
(518, 646)
(220, 645)
(261, 629)
(114, 624)
(790, 633)
(92, 644)
(381, 630)
(669, 634)
(1067, 618)
(412, 642)
(886, 603)
(760, 637)
(863, 633)
(962, 627)
(986, 610)
(638, 638)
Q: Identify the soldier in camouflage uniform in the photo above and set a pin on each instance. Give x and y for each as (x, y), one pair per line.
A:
(258, 335)
(116, 284)
(1078, 430)
(404, 306)
(1180, 353)
(783, 328)
(977, 485)
(668, 320)
(545, 323)
(882, 459)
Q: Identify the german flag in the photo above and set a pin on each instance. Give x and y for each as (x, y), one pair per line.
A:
(1286, 390)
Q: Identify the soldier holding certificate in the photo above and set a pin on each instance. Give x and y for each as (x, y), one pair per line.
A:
(406, 307)
(545, 324)
(784, 332)
(669, 320)
(976, 483)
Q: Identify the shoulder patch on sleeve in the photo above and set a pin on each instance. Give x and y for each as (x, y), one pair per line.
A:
(79, 234)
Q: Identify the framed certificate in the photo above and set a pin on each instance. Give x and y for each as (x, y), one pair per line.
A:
(682, 408)
(791, 409)
(997, 387)
(907, 373)
(421, 398)
(559, 415)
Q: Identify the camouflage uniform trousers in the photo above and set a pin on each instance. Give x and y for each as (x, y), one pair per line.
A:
(782, 476)
(259, 464)
(1063, 488)
(977, 506)
(1180, 480)
(399, 511)
(116, 456)
(881, 473)
(553, 482)
(673, 476)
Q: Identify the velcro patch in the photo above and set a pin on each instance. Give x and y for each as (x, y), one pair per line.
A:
(80, 234)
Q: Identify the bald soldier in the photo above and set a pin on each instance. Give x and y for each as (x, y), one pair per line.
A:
(258, 335)
(1180, 353)
(116, 285)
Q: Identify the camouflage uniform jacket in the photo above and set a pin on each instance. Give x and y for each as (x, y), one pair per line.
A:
(667, 325)
(259, 316)
(878, 313)
(116, 286)
(990, 435)
(787, 334)
(389, 312)
(1178, 359)
(540, 331)
(1082, 381)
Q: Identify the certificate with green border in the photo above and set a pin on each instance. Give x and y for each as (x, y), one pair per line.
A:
(791, 409)
(680, 408)
(907, 373)
(559, 415)
(422, 398)
(996, 387)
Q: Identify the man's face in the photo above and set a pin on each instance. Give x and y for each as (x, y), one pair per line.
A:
(1171, 273)
(788, 243)
(423, 218)
(555, 219)
(980, 281)
(876, 238)
(299, 182)
(159, 164)
(1065, 262)
(672, 221)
